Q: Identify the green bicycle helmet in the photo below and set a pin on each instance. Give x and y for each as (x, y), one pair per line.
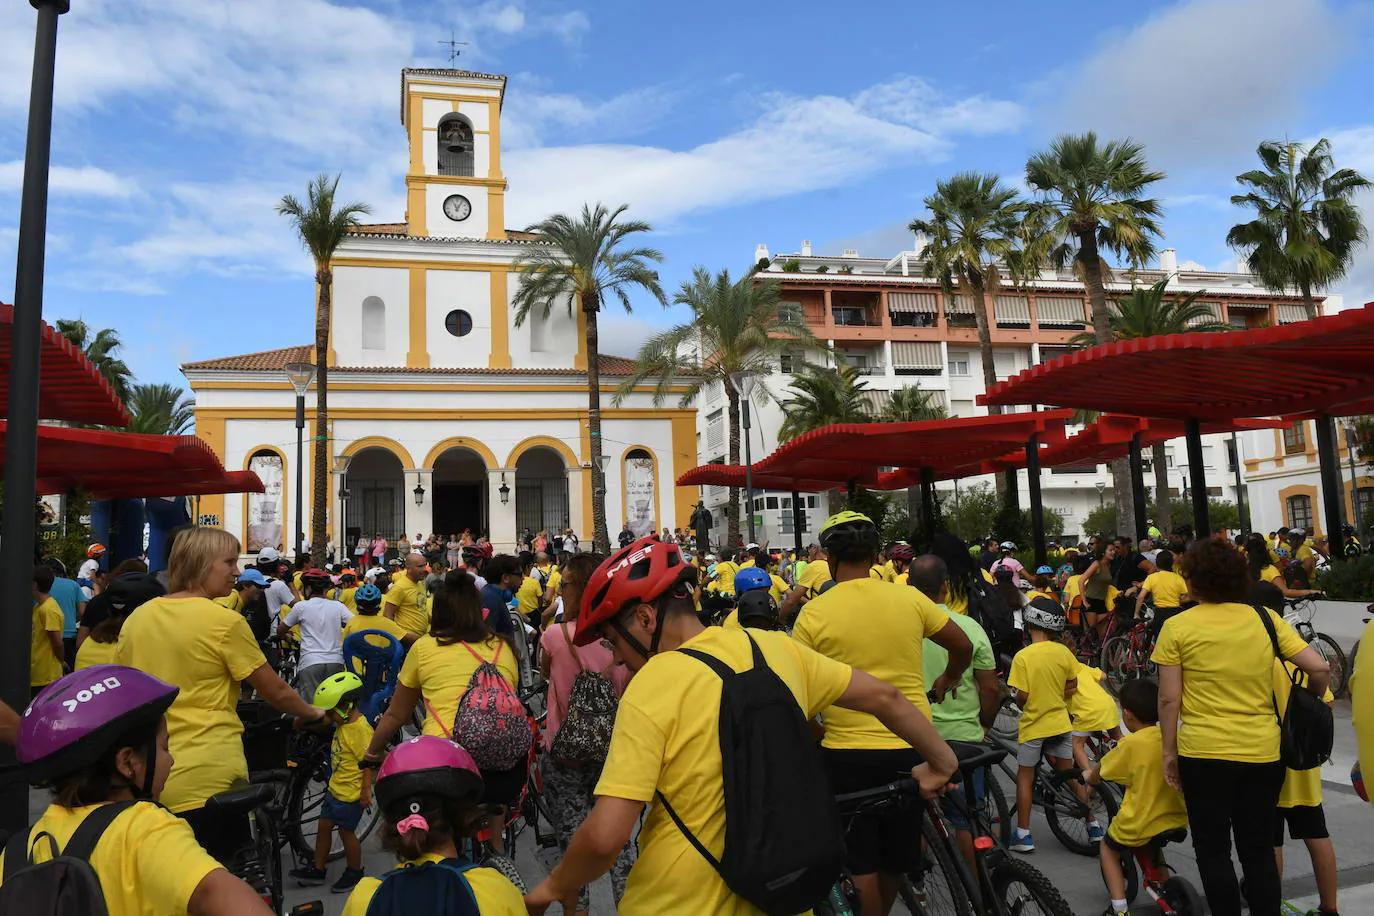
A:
(847, 531)
(339, 691)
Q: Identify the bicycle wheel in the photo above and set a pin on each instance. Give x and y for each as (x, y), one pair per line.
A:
(996, 810)
(506, 867)
(304, 803)
(1068, 814)
(269, 850)
(1328, 649)
(1115, 661)
(1183, 897)
(1024, 891)
(935, 887)
(1131, 873)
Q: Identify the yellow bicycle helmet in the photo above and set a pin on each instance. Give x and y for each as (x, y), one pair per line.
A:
(339, 691)
(846, 530)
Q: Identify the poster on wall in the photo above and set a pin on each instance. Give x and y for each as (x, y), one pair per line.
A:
(639, 493)
(266, 509)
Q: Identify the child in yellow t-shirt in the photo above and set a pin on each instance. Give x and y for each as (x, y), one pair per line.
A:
(1092, 710)
(47, 660)
(1151, 806)
(350, 786)
(1300, 806)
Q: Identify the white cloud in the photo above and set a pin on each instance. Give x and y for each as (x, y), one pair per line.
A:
(85, 181)
(1203, 80)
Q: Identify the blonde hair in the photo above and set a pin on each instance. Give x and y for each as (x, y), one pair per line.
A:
(193, 553)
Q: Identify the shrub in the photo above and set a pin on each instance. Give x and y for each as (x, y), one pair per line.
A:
(1348, 581)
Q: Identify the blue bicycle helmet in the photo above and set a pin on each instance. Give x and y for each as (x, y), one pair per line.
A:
(368, 595)
(750, 578)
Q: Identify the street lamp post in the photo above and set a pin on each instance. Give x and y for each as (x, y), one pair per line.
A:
(341, 464)
(300, 375)
(743, 383)
(21, 444)
(1100, 488)
(1350, 444)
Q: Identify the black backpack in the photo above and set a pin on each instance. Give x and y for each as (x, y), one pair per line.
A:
(66, 884)
(439, 888)
(783, 837)
(987, 606)
(1307, 729)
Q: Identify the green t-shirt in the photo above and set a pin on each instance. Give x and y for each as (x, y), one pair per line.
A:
(956, 719)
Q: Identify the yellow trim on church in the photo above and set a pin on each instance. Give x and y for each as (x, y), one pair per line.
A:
(417, 357)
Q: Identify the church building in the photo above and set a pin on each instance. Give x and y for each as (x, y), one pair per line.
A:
(443, 415)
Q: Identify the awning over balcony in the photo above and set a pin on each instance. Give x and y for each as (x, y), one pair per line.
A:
(923, 355)
(1012, 310)
(958, 304)
(1060, 311)
(911, 302)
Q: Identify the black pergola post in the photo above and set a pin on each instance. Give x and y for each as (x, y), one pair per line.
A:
(798, 513)
(1037, 507)
(1330, 464)
(1138, 490)
(1197, 479)
(928, 503)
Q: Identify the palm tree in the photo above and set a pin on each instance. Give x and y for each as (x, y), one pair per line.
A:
(1091, 199)
(161, 409)
(911, 405)
(101, 348)
(735, 326)
(823, 396)
(1150, 312)
(322, 225)
(579, 262)
(975, 223)
(1306, 226)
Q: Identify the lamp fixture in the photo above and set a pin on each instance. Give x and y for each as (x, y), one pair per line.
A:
(419, 492)
(300, 375)
(504, 490)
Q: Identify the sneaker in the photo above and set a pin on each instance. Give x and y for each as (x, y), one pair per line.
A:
(309, 876)
(1113, 911)
(1021, 841)
(347, 881)
(1095, 831)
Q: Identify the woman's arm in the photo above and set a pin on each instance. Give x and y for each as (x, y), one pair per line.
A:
(1317, 669)
(9, 724)
(1170, 701)
(221, 894)
(397, 714)
(1282, 586)
(280, 696)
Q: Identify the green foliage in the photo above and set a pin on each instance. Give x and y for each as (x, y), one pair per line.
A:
(1149, 312)
(910, 405)
(875, 505)
(1221, 512)
(791, 266)
(845, 269)
(823, 269)
(897, 524)
(101, 348)
(761, 265)
(163, 410)
(974, 512)
(1307, 224)
(822, 396)
(1101, 521)
(1364, 440)
(319, 221)
(1347, 580)
(71, 544)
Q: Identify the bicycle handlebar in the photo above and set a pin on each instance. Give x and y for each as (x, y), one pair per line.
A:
(885, 796)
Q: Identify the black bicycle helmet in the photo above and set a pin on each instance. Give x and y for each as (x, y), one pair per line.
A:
(758, 609)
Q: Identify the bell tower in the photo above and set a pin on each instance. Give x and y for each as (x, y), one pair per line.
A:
(454, 186)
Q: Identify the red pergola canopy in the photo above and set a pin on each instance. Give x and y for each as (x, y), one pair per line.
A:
(70, 387)
(112, 464)
(1109, 437)
(1325, 365)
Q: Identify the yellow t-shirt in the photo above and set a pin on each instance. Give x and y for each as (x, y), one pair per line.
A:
(724, 581)
(667, 739)
(958, 604)
(233, 601)
(1300, 787)
(901, 579)
(347, 599)
(1269, 574)
(1091, 708)
(95, 653)
(360, 622)
(877, 627)
(529, 595)
(496, 896)
(148, 860)
(778, 589)
(879, 572)
(44, 666)
(409, 600)
(1042, 670)
(1168, 587)
(1362, 695)
(1151, 805)
(1228, 685)
(816, 574)
(346, 752)
(206, 650)
(442, 674)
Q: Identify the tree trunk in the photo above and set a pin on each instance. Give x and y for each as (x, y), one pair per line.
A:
(601, 538)
(1090, 260)
(319, 498)
(732, 539)
(981, 319)
(1164, 510)
(1309, 303)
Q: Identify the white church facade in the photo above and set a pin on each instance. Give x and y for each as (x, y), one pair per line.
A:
(443, 415)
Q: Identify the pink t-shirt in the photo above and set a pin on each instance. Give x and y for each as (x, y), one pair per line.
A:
(563, 671)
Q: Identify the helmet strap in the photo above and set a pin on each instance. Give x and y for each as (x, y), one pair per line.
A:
(634, 643)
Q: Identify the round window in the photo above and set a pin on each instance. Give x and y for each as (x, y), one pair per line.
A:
(458, 323)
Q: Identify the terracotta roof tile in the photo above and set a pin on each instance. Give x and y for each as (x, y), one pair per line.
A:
(398, 231)
(276, 360)
(264, 361)
(378, 229)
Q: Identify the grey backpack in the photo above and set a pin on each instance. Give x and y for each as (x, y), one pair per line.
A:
(64, 885)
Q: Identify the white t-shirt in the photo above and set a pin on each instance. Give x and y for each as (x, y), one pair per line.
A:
(88, 569)
(278, 593)
(322, 621)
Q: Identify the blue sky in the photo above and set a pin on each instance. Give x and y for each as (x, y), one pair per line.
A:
(179, 125)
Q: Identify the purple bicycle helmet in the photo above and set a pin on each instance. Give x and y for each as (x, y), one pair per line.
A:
(72, 722)
(425, 766)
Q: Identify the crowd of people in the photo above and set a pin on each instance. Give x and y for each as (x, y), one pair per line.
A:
(886, 653)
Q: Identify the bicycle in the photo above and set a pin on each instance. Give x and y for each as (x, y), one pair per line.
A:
(1299, 614)
(1066, 812)
(1145, 866)
(1127, 656)
(308, 765)
(263, 801)
(530, 808)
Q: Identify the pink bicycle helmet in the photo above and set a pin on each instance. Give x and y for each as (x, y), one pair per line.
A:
(425, 766)
(73, 721)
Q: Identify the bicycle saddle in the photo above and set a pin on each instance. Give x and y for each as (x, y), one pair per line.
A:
(1177, 835)
(241, 800)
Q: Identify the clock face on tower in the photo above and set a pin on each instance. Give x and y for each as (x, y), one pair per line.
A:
(457, 208)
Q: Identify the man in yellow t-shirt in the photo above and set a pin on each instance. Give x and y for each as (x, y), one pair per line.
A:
(405, 602)
(858, 750)
(530, 595)
(1151, 806)
(667, 740)
(46, 659)
(1044, 676)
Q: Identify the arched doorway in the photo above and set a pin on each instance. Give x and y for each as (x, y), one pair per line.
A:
(376, 484)
(541, 490)
(460, 493)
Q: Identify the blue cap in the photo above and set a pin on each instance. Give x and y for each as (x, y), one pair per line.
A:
(750, 578)
(253, 577)
(1044, 571)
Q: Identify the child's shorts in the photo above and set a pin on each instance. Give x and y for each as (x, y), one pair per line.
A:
(1305, 822)
(345, 815)
(1028, 753)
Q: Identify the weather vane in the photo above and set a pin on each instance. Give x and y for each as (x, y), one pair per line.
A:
(453, 44)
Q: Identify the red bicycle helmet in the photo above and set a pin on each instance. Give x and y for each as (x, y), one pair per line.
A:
(901, 552)
(639, 573)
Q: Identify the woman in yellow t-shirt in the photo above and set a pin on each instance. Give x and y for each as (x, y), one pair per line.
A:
(1261, 570)
(1216, 674)
(187, 639)
(437, 671)
(105, 758)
